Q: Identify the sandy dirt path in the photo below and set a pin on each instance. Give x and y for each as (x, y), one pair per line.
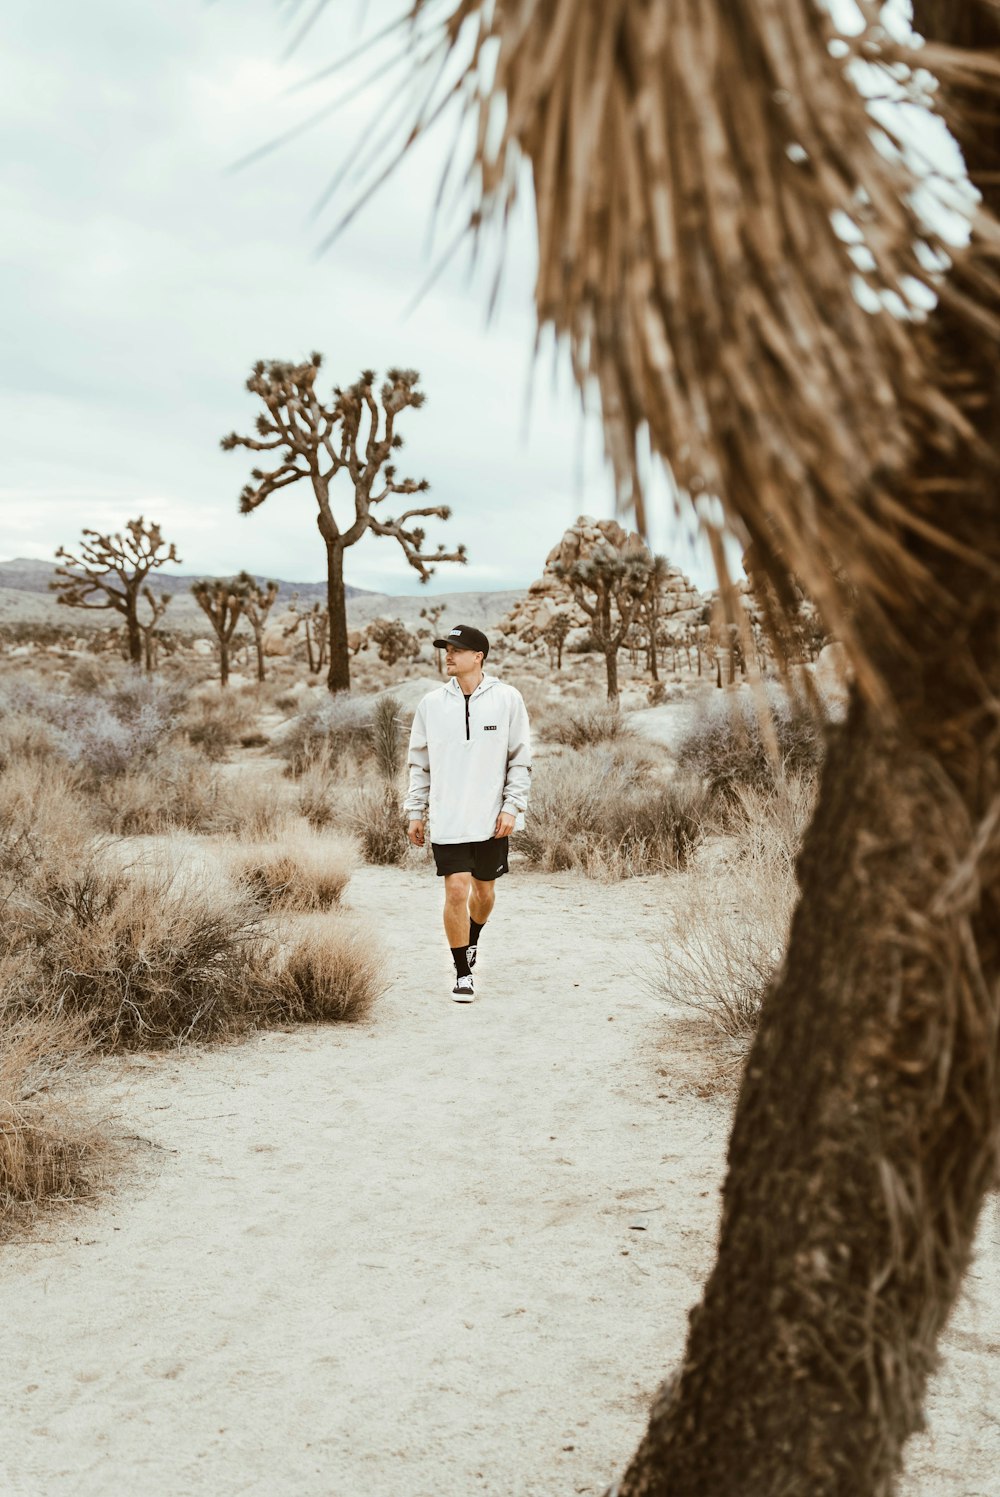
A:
(447, 1252)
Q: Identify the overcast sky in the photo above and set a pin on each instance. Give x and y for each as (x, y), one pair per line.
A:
(141, 277)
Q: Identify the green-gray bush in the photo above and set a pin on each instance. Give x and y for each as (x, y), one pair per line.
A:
(726, 746)
(606, 813)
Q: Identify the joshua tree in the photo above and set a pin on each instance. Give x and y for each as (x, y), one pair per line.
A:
(608, 586)
(157, 608)
(109, 571)
(223, 603)
(315, 626)
(433, 615)
(314, 632)
(257, 604)
(648, 613)
(394, 640)
(354, 432)
(554, 635)
(700, 172)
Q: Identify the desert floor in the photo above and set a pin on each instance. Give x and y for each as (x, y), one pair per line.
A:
(445, 1252)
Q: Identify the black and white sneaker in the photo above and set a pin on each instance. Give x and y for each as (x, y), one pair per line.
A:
(463, 991)
(470, 952)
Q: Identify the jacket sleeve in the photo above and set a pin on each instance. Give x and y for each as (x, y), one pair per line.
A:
(518, 781)
(418, 758)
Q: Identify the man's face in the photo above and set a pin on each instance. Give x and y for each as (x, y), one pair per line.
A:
(459, 662)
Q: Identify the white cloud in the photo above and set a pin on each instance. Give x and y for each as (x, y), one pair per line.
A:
(143, 278)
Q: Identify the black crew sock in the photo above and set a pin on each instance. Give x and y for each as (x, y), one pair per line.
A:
(475, 931)
(460, 955)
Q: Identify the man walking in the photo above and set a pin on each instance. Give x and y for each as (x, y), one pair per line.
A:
(470, 761)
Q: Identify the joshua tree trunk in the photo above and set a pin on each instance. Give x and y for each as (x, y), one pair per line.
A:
(307, 629)
(339, 675)
(866, 1134)
(611, 664)
(223, 662)
(258, 640)
(133, 633)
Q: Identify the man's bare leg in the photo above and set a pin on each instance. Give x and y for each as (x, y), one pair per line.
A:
(482, 898)
(457, 887)
(456, 928)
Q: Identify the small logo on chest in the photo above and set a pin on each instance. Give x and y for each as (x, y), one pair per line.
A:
(489, 727)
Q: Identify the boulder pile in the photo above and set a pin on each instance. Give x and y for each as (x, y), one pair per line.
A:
(681, 603)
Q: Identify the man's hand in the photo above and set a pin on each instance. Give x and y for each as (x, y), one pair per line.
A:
(415, 832)
(505, 824)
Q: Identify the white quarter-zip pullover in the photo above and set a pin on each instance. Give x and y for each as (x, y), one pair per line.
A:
(470, 759)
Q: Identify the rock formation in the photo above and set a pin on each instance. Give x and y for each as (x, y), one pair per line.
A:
(681, 603)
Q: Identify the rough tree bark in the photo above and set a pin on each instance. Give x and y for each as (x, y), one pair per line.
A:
(865, 1136)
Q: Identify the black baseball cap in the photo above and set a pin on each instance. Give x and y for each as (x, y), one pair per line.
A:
(466, 638)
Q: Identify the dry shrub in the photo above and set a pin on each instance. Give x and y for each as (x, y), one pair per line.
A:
(102, 733)
(728, 921)
(586, 728)
(329, 969)
(377, 822)
(89, 675)
(608, 813)
(304, 871)
(146, 957)
(387, 738)
(727, 748)
(254, 807)
(24, 736)
(337, 727)
(219, 720)
(316, 792)
(47, 1152)
(46, 825)
(177, 790)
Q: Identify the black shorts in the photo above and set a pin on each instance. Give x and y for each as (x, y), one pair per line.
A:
(484, 860)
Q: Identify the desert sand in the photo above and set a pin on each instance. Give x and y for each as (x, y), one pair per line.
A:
(449, 1251)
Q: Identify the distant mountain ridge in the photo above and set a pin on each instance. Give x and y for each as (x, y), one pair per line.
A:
(28, 575)
(25, 594)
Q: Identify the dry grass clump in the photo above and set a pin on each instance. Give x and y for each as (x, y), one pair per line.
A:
(609, 814)
(43, 800)
(329, 970)
(178, 790)
(377, 821)
(316, 792)
(586, 728)
(47, 1153)
(24, 736)
(387, 738)
(337, 727)
(143, 957)
(215, 722)
(250, 806)
(727, 924)
(304, 871)
(727, 747)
